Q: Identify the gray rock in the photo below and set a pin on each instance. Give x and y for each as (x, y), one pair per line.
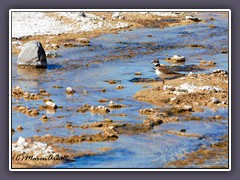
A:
(32, 54)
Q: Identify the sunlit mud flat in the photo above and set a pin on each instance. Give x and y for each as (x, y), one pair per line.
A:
(125, 58)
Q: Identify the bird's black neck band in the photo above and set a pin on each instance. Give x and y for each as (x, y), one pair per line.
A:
(156, 65)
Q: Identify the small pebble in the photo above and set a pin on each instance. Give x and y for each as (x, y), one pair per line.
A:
(119, 87)
(218, 117)
(103, 100)
(20, 128)
(138, 74)
(44, 117)
(112, 82)
(182, 130)
(69, 90)
(68, 126)
(57, 86)
(103, 90)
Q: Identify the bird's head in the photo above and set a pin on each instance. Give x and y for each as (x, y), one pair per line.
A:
(155, 62)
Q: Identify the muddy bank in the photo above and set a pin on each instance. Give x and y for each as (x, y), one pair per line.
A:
(190, 93)
(110, 131)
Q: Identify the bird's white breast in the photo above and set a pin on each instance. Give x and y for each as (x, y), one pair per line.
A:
(158, 72)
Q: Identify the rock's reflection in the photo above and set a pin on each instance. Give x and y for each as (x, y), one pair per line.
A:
(30, 71)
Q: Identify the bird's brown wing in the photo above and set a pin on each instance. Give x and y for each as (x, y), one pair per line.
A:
(166, 70)
(167, 73)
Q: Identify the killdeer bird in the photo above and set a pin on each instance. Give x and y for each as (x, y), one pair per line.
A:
(162, 72)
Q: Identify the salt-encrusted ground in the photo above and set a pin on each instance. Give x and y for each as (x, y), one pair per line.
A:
(42, 23)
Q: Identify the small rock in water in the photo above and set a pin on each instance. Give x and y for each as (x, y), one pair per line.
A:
(57, 86)
(207, 63)
(68, 125)
(138, 73)
(112, 82)
(51, 105)
(212, 26)
(119, 87)
(85, 91)
(176, 58)
(42, 91)
(103, 90)
(99, 109)
(32, 54)
(44, 117)
(103, 100)
(114, 105)
(224, 51)
(182, 130)
(20, 128)
(47, 99)
(218, 117)
(192, 18)
(69, 90)
(33, 112)
(107, 120)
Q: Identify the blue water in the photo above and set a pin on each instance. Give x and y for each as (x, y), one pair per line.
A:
(149, 150)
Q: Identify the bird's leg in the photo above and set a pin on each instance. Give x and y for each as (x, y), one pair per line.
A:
(160, 87)
(163, 83)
